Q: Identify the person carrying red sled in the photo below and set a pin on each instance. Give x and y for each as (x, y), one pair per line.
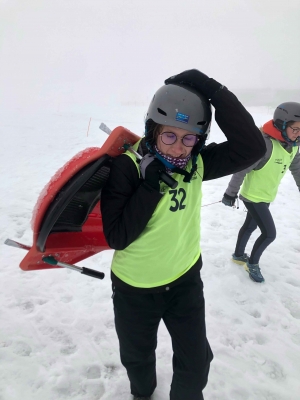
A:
(155, 229)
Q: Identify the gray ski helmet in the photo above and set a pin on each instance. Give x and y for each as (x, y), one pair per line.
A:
(182, 107)
(284, 113)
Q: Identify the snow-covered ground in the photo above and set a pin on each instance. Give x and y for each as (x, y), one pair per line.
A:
(57, 337)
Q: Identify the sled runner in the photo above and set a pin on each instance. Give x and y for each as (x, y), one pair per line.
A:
(66, 222)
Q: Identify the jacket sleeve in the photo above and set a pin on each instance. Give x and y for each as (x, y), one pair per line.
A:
(126, 204)
(237, 178)
(245, 144)
(295, 169)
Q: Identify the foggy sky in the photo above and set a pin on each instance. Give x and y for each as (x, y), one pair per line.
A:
(94, 51)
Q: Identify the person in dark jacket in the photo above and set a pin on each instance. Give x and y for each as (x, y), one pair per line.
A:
(260, 184)
(155, 229)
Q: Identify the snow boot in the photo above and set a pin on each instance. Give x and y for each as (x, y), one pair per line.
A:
(241, 260)
(254, 272)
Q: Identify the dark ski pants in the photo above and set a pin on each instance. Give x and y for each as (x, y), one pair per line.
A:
(258, 215)
(137, 317)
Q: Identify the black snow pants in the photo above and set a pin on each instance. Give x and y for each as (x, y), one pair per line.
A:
(258, 215)
(137, 317)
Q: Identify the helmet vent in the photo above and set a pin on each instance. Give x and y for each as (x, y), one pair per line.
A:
(201, 123)
(161, 111)
(297, 116)
(283, 109)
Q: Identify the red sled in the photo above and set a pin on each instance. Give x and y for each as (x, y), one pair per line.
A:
(67, 222)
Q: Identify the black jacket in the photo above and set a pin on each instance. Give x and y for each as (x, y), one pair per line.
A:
(127, 205)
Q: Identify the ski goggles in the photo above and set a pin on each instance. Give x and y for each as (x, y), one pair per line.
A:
(188, 140)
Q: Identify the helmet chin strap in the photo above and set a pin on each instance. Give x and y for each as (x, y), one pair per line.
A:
(187, 175)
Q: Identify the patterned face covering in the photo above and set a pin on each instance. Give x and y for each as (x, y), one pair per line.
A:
(177, 162)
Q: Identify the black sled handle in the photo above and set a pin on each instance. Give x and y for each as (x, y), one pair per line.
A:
(171, 182)
(85, 271)
(164, 176)
(92, 273)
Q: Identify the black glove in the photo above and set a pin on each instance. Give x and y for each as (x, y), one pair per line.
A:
(229, 200)
(151, 168)
(198, 80)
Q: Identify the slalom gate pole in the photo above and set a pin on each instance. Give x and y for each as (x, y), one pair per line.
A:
(87, 134)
